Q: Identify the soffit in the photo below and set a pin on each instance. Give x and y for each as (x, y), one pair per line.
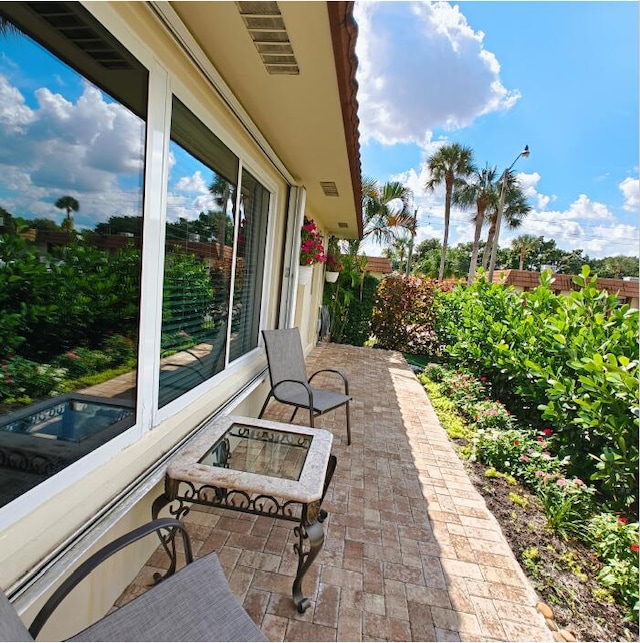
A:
(300, 115)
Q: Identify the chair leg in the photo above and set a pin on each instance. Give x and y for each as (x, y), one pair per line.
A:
(264, 406)
(293, 415)
(348, 424)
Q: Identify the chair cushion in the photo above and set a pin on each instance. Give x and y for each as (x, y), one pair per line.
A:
(323, 401)
(195, 604)
(11, 626)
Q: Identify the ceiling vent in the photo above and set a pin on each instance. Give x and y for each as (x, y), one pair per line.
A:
(329, 188)
(343, 224)
(266, 27)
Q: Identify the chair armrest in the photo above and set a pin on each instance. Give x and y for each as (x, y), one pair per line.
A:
(103, 554)
(345, 381)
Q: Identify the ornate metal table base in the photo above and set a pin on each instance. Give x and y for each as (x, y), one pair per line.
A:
(180, 495)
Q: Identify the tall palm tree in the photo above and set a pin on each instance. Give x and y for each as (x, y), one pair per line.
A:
(516, 208)
(450, 163)
(69, 204)
(523, 244)
(385, 210)
(480, 192)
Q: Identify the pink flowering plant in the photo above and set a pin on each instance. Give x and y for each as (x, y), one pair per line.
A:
(488, 414)
(311, 247)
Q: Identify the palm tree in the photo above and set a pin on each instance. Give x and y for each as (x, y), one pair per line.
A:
(449, 164)
(516, 208)
(69, 204)
(523, 244)
(385, 210)
(480, 192)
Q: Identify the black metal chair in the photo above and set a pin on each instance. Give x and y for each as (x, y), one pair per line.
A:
(192, 604)
(290, 384)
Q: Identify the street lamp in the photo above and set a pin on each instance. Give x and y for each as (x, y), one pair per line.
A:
(503, 192)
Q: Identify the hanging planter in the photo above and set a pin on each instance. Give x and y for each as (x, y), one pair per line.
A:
(304, 275)
(331, 276)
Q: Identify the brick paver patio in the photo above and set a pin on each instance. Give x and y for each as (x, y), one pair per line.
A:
(411, 551)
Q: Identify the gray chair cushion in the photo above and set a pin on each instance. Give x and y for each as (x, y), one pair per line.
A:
(323, 401)
(11, 627)
(195, 604)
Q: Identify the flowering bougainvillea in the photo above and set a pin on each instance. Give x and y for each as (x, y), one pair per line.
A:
(311, 248)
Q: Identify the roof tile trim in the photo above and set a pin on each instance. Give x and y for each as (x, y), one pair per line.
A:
(344, 33)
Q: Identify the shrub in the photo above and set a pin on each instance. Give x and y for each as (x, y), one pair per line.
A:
(21, 378)
(404, 315)
(615, 538)
(568, 361)
(464, 389)
(488, 414)
(120, 349)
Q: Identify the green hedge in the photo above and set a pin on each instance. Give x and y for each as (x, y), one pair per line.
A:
(570, 361)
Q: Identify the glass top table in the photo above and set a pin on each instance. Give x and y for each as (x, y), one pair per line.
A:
(260, 467)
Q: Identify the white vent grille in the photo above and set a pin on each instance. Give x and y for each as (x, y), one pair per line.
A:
(329, 188)
(266, 27)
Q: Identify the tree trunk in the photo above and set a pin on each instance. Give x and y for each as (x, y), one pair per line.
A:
(445, 237)
(523, 253)
(476, 245)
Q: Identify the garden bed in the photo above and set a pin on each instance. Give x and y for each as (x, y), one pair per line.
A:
(563, 572)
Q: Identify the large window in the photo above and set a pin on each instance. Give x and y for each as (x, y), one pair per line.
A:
(214, 258)
(72, 131)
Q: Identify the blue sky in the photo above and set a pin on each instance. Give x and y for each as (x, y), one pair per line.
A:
(561, 77)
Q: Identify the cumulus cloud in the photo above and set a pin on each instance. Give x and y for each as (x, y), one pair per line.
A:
(585, 224)
(437, 75)
(90, 148)
(630, 189)
(194, 183)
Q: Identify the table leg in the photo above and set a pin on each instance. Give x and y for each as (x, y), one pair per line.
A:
(315, 535)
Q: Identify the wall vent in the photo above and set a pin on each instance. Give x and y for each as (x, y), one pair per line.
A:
(329, 188)
(266, 27)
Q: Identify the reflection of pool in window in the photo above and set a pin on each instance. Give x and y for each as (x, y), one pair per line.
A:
(76, 141)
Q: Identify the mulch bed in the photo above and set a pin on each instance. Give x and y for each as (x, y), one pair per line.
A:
(562, 572)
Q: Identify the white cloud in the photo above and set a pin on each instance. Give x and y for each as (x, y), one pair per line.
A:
(194, 183)
(630, 189)
(438, 74)
(14, 113)
(90, 149)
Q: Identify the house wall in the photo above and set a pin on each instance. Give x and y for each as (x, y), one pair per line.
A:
(38, 525)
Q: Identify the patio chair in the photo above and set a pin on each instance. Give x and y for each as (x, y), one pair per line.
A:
(289, 382)
(194, 604)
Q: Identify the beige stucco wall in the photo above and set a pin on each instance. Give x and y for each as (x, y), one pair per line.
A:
(26, 542)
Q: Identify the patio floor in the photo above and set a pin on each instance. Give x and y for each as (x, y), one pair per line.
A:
(411, 551)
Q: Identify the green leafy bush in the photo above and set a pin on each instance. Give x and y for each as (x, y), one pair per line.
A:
(350, 302)
(567, 361)
(615, 538)
(21, 378)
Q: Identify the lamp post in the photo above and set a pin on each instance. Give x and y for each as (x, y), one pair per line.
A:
(503, 192)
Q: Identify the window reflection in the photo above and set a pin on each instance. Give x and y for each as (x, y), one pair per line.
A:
(214, 255)
(71, 192)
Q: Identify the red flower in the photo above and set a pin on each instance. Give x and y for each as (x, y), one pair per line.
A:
(540, 439)
(547, 432)
(516, 442)
(484, 379)
(622, 520)
(635, 547)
